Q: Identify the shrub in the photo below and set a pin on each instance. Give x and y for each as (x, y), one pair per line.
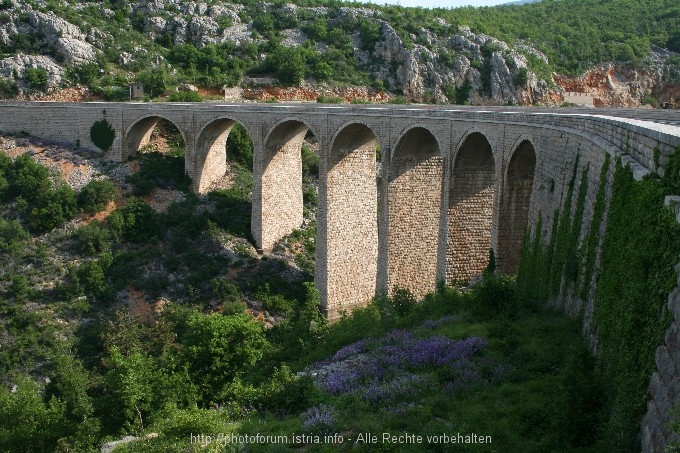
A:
(28, 178)
(96, 195)
(310, 161)
(12, 235)
(93, 238)
(102, 134)
(136, 221)
(36, 78)
(649, 99)
(53, 209)
(521, 78)
(27, 423)
(185, 96)
(159, 170)
(220, 347)
(329, 100)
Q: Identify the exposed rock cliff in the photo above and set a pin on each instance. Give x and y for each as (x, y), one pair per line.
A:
(453, 64)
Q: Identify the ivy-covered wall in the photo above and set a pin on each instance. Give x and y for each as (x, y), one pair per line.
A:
(617, 274)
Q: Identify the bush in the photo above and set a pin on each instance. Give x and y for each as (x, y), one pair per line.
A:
(329, 100)
(185, 96)
(220, 347)
(96, 195)
(102, 134)
(28, 178)
(12, 235)
(54, 209)
(93, 238)
(648, 99)
(27, 423)
(495, 298)
(36, 78)
(159, 170)
(521, 78)
(135, 222)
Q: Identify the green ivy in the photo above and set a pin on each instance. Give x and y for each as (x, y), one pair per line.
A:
(592, 239)
(640, 246)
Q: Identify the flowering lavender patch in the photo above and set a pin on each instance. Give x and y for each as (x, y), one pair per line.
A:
(349, 350)
(464, 376)
(376, 370)
(401, 408)
(432, 323)
(401, 386)
(341, 381)
(319, 419)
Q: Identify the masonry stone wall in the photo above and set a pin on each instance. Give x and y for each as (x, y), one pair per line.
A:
(514, 207)
(414, 200)
(352, 219)
(282, 207)
(415, 211)
(471, 206)
(210, 157)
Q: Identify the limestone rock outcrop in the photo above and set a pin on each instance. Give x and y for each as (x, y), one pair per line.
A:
(14, 68)
(65, 38)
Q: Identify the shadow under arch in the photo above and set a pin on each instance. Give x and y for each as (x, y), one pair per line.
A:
(281, 183)
(470, 209)
(210, 155)
(514, 208)
(351, 220)
(414, 195)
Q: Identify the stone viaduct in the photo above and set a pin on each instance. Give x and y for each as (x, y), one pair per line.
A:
(450, 184)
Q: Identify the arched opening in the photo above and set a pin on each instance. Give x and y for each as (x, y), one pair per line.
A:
(514, 210)
(222, 146)
(351, 219)
(282, 186)
(470, 211)
(160, 147)
(154, 134)
(413, 203)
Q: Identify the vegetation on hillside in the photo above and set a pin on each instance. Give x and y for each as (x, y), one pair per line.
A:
(339, 45)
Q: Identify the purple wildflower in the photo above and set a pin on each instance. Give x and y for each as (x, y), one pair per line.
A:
(319, 419)
(432, 323)
(349, 350)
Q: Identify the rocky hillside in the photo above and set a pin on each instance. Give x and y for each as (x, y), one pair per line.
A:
(291, 52)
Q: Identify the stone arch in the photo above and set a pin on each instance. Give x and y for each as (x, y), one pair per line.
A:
(514, 208)
(414, 195)
(139, 132)
(351, 218)
(470, 209)
(282, 204)
(210, 158)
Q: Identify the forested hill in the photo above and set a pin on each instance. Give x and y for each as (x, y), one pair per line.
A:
(498, 55)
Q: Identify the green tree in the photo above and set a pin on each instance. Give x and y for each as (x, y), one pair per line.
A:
(219, 348)
(129, 383)
(55, 208)
(102, 134)
(96, 195)
(240, 147)
(155, 82)
(27, 423)
(70, 383)
(28, 178)
(288, 65)
(36, 78)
